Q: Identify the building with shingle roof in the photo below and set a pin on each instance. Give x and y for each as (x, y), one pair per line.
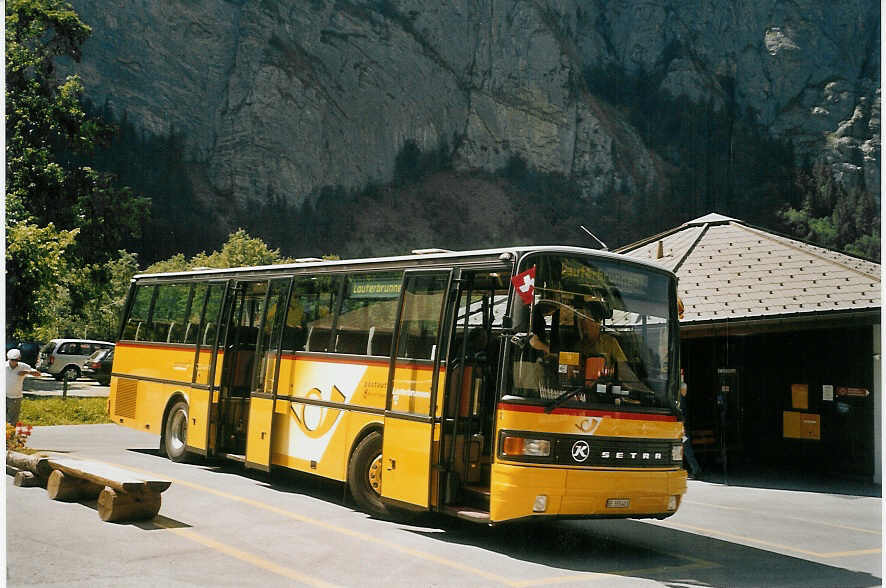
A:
(790, 331)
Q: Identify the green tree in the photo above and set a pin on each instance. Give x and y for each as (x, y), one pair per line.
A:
(833, 216)
(100, 319)
(35, 266)
(239, 250)
(79, 212)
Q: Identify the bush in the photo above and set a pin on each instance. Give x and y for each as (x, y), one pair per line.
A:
(17, 436)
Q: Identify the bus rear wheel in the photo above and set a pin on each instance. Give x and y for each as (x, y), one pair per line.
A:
(364, 475)
(175, 432)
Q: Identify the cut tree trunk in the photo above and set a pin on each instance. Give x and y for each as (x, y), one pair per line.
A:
(124, 506)
(69, 488)
(34, 463)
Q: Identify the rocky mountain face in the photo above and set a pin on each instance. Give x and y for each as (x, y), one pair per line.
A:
(279, 99)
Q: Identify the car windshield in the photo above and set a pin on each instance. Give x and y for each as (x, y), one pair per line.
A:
(593, 331)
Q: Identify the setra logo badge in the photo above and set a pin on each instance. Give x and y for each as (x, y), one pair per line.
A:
(580, 451)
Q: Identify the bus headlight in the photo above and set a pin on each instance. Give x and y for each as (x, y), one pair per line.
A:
(677, 453)
(523, 446)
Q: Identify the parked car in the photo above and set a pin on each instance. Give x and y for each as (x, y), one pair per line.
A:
(98, 366)
(64, 357)
(30, 350)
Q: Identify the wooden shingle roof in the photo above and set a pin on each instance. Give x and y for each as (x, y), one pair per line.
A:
(729, 270)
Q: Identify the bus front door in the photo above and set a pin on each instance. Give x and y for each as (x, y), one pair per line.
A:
(409, 422)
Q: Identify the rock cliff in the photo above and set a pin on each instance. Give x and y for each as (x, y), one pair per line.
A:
(283, 98)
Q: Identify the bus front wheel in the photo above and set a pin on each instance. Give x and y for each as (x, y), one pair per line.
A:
(364, 475)
(175, 432)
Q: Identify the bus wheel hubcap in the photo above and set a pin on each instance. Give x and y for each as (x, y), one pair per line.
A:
(375, 474)
(179, 428)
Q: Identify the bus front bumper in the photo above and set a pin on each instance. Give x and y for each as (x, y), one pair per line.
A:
(520, 491)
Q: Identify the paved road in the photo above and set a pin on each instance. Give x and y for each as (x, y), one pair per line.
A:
(49, 386)
(219, 526)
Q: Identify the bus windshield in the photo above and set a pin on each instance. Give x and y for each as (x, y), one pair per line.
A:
(593, 332)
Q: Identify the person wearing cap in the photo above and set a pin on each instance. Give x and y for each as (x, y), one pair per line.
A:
(15, 376)
(592, 339)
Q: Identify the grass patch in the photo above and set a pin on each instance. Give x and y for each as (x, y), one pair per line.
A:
(54, 410)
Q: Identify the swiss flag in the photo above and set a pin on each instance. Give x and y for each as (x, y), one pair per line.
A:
(525, 284)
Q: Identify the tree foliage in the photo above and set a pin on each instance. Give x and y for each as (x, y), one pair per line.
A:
(239, 250)
(845, 219)
(35, 266)
(65, 219)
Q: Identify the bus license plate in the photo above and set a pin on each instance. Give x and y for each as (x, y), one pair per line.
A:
(618, 503)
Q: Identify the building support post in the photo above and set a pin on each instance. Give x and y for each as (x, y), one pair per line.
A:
(878, 408)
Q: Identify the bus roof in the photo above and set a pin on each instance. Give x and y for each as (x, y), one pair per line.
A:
(505, 254)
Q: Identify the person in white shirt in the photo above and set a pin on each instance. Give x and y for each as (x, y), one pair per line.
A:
(15, 377)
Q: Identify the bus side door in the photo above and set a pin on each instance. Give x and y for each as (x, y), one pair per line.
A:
(206, 307)
(266, 370)
(412, 387)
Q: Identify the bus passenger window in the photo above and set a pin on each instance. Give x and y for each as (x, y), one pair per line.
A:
(310, 314)
(192, 327)
(369, 306)
(133, 329)
(420, 318)
(210, 315)
(168, 317)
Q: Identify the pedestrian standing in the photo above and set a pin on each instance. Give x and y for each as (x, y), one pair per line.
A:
(16, 371)
(688, 453)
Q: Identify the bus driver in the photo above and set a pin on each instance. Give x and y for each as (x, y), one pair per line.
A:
(592, 339)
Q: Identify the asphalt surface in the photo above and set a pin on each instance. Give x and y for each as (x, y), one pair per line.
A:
(221, 526)
(48, 386)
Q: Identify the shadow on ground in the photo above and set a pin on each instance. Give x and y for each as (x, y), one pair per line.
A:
(781, 478)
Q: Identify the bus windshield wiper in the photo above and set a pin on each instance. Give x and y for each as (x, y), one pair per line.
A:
(559, 400)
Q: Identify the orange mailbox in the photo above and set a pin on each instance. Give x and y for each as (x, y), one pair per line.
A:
(801, 425)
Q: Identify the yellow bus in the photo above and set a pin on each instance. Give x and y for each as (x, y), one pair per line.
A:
(491, 385)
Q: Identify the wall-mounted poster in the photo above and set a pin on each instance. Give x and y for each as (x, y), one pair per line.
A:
(800, 396)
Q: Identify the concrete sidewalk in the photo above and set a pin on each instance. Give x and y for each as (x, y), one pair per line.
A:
(49, 386)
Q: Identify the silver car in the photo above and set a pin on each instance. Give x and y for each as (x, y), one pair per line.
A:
(63, 357)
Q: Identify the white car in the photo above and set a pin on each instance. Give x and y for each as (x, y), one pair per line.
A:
(63, 357)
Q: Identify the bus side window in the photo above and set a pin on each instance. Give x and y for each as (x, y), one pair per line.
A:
(420, 316)
(309, 319)
(168, 317)
(138, 313)
(417, 339)
(210, 315)
(195, 310)
(380, 343)
(368, 306)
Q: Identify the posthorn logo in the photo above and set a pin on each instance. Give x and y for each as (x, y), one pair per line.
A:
(580, 451)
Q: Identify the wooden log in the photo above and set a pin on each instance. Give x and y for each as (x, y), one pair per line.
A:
(70, 488)
(106, 475)
(34, 463)
(26, 479)
(116, 506)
